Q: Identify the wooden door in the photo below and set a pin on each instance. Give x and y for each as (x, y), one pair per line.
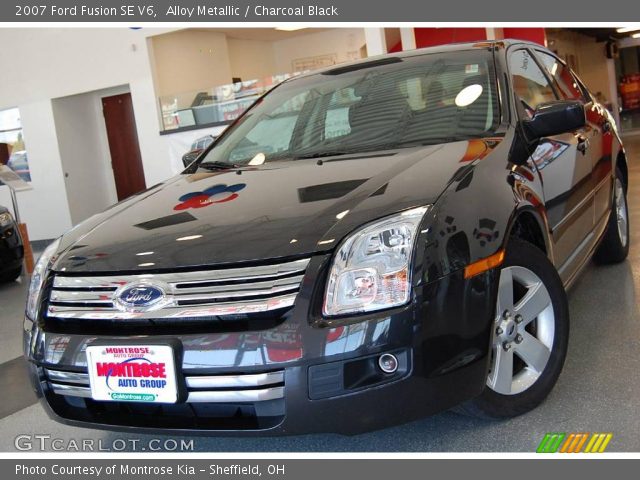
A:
(123, 145)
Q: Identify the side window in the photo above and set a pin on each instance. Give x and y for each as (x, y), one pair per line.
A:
(530, 84)
(562, 77)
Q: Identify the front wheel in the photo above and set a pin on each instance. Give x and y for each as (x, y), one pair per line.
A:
(529, 338)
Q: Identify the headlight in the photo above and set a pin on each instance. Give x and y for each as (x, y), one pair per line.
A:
(371, 269)
(37, 279)
(5, 219)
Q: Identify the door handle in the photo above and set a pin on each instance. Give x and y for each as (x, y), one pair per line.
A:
(583, 144)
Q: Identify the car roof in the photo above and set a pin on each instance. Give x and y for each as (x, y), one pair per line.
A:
(451, 47)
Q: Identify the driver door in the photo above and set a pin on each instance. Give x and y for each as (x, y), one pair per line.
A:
(563, 163)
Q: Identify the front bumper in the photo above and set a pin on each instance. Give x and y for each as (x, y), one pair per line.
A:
(326, 376)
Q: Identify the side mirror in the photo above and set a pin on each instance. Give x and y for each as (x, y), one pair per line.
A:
(554, 118)
(189, 157)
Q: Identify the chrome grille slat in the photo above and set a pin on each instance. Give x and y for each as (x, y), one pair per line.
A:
(203, 293)
(229, 381)
(231, 291)
(80, 297)
(194, 381)
(239, 287)
(67, 377)
(233, 396)
(175, 311)
(207, 297)
(221, 396)
(179, 278)
(71, 390)
(253, 387)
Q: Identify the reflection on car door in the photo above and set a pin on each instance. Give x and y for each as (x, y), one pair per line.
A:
(565, 165)
(598, 131)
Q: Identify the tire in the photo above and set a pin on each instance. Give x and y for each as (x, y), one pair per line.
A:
(614, 247)
(534, 332)
(11, 275)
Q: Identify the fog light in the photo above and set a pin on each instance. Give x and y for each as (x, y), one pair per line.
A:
(388, 363)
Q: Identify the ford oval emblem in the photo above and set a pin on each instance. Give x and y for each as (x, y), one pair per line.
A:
(139, 297)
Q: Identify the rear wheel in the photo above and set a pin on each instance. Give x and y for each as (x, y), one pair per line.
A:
(529, 338)
(614, 247)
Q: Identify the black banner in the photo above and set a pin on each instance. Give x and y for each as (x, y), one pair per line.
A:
(315, 11)
(315, 469)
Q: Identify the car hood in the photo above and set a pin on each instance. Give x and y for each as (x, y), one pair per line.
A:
(280, 209)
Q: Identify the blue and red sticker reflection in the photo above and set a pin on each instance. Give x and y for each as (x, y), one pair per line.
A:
(220, 193)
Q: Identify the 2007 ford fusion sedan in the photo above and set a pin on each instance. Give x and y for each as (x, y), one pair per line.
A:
(366, 245)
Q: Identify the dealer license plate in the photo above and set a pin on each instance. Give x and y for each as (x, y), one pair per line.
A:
(132, 373)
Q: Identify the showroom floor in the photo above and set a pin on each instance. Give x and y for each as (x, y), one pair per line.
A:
(598, 391)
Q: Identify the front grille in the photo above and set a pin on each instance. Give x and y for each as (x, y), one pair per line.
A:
(251, 388)
(228, 292)
(251, 401)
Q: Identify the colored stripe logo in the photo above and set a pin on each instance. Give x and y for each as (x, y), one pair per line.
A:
(574, 443)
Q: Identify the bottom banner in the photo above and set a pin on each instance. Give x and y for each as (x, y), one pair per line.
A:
(312, 469)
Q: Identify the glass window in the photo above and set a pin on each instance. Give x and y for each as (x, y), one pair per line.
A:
(530, 84)
(410, 101)
(269, 132)
(13, 152)
(562, 77)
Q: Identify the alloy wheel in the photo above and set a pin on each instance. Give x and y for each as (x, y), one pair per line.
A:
(621, 212)
(523, 331)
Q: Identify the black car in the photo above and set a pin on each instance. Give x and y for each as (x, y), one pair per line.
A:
(11, 249)
(366, 245)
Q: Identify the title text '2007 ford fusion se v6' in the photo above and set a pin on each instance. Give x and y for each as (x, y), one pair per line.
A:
(368, 244)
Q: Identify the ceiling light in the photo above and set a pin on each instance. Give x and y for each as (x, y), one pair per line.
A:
(190, 237)
(142, 254)
(468, 95)
(290, 29)
(149, 264)
(635, 35)
(627, 29)
(341, 215)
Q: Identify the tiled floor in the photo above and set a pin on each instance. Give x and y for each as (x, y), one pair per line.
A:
(599, 390)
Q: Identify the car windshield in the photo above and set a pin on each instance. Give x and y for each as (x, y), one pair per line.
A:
(382, 104)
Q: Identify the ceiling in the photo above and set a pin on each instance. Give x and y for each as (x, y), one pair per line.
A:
(600, 34)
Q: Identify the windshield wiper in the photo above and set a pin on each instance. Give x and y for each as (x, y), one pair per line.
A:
(323, 154)
(218, 166)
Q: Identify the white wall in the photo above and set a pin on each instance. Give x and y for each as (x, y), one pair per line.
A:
(590, 56)
(189, 61)
(47, 63)
(44, 208)
(84, 151)
(251, 59)
(344, 42)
